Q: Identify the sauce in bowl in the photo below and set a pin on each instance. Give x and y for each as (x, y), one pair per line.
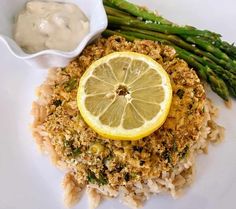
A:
(50, 25)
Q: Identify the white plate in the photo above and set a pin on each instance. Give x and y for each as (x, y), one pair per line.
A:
(29, 181)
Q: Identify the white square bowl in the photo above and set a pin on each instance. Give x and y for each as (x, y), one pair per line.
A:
(93, 9)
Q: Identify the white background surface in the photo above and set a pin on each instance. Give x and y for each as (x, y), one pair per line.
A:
(29, 181)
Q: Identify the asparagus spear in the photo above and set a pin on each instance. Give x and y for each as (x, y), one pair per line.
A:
(229, 49)
(207, 46)
(216, 83)
(228, 77)
(181, 43)
(137, 11)
(108, 33)
(108, 3)
(116, 12)
(167, 29)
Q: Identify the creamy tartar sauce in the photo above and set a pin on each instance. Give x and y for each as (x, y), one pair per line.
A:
(50, 25)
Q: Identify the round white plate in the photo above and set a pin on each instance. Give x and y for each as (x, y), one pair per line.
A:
(29, 181)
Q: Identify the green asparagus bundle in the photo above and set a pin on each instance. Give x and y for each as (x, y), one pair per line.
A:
(213, 59)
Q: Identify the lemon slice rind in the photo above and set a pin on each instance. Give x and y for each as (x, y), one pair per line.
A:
(120, 132)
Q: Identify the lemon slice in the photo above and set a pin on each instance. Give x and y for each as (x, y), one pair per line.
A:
(125, 96)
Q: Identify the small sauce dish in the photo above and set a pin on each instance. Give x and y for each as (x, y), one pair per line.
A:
(94, 11)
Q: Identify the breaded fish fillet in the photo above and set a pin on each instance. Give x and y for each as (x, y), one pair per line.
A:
(93, 160)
